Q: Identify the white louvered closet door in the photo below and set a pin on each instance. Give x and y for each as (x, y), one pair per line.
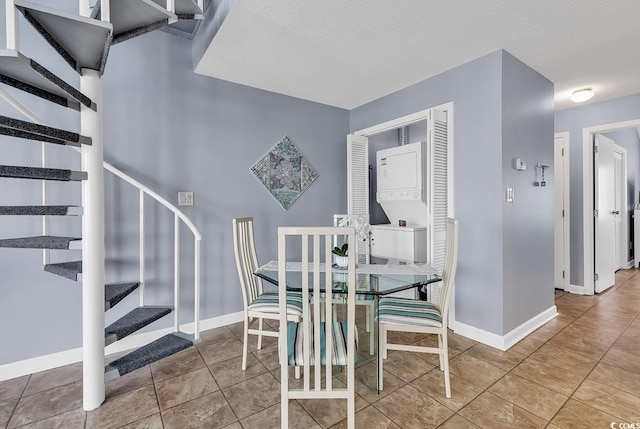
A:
(357, 174)
(439, 136)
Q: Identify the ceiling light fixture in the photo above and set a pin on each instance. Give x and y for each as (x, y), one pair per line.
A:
(581, 95)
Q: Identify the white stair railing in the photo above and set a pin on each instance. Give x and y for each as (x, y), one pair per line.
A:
(179, 216)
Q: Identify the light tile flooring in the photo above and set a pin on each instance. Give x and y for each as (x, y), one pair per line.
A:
(580, 370)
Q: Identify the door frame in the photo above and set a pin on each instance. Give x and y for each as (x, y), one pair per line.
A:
(588, 195)
(412, 119)
(563, 260)
(623, 248)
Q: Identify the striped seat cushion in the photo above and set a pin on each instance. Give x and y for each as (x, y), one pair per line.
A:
(268, 303)
(296, 344)
(407, 311)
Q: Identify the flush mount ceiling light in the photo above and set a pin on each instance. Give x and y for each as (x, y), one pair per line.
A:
(581, 95)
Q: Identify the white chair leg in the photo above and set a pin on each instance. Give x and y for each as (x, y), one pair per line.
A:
(284, 414)
(383, 341)
(440, 355)
(260, 334)
(371, 324)
(445, 357)
(368, 323)
(245, 345)
(297, 372)
(351, 411)
(381, 352)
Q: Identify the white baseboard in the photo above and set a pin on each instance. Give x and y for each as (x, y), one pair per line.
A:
(504, 342)
(55, 360)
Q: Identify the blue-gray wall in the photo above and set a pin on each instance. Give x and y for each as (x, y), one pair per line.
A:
(476, 89)
(573, 121)
(175, 131)
(527, 133)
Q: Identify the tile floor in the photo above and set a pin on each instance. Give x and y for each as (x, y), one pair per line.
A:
(580, 370)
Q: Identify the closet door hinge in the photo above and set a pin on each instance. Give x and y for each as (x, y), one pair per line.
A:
(562, 273)
(595, 276)
(595, 213)
(595, 149)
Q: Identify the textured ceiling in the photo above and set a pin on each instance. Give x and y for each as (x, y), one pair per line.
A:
(347, 53)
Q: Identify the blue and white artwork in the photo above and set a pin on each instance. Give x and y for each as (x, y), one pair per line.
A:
(285, 172)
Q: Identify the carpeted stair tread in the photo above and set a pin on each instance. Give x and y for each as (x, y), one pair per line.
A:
(82, 42)
(12, 132)
(27, 75)
(42, 242)
(69, 270)
(159, 349)
(41, 173)
(132, 18)
(41, 210)
(70, 138)
(116, 292)
(136, 319)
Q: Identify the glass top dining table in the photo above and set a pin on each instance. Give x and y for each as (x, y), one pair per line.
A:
(380, 277)
(374, 280)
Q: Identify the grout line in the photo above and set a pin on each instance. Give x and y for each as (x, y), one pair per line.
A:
(571, 396)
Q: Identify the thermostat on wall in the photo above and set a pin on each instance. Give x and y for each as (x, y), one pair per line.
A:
(520, 164)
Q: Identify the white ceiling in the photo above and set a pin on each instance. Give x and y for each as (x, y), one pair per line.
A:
(347, 53)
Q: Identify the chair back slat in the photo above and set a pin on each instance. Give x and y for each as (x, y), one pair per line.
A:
(312, 246)
(246, 259)
(449, 269)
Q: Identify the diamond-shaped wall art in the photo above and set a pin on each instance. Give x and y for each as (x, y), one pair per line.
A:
(285, 172)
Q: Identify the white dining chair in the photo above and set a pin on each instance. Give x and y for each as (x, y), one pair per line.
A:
(363, 253)
(314, 342)
(258, 304)
(412, 315)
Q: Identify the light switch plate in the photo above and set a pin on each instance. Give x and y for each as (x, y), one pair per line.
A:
(509, 195)
(185, 198)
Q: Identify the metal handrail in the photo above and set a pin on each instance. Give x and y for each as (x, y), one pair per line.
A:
(178, 215)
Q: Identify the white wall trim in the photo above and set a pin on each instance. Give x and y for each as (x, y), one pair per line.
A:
(504, 342)
(566, 203)
(587, 195)
(55, 360)
(395, 123)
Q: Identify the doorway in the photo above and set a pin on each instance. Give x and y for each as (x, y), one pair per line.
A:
(611, 234)
(590, 205)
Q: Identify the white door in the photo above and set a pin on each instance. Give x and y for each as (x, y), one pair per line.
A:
(357, 174)
(561, 211)
(605, 242)
(620, 207)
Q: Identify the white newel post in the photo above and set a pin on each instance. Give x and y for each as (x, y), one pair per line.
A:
(92, 244)
(11, 15)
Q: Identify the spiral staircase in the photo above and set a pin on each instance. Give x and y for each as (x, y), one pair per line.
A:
(84, 41)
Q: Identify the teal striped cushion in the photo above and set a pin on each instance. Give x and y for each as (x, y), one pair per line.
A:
(339, 331)
(268, 303)
(407, 311)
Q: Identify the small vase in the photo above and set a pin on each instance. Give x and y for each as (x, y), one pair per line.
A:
(342, 261)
